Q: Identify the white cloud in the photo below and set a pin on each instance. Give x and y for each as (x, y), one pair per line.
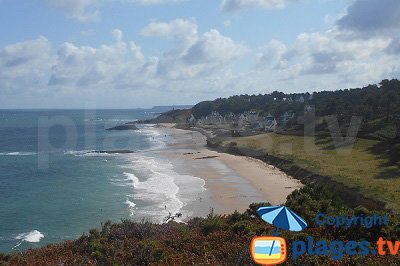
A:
(328, 60)
(361, 47)
(107, 66)
(184, 32)
(193, 56)
(202, 65)
(271, 53)
(81, 10)
(89, 10)
(213, 47)
(198, 66)
(25, 65)
(235, 5)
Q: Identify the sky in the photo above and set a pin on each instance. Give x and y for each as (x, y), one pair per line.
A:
(141, 53)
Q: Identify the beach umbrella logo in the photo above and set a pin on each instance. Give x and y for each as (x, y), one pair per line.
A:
(282, 217)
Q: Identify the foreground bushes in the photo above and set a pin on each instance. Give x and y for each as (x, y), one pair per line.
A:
(214, 240)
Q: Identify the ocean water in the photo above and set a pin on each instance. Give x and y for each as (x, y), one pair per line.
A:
(59, 178)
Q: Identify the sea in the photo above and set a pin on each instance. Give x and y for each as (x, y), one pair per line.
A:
(62, 173)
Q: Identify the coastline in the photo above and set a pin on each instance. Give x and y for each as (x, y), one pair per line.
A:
(231, 182)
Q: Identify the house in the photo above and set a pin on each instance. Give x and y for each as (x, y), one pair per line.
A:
(271, 125)
(269, 117)
(285, 117)
(213, 119)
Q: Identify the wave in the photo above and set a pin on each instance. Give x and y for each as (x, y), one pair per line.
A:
(86, 154)
(158, 139)
(132, 178)
(131, 206)
(32, 237)
(157, 189)
(18, 153)
(93, 153)
(129, 180)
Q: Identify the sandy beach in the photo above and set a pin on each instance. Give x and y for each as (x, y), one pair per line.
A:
(231, 182)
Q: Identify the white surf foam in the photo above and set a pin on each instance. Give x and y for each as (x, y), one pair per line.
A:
(131, 206)
(32, 237)
(89, 153)
(17, 153)
(132, 178)
(157, 138)
(157, 187)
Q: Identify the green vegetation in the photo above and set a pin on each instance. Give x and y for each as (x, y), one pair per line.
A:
(174, 116)
(378, 105)
(356, 166)
(214, 240)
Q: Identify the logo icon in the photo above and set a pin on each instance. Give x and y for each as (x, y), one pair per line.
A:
(282, 217)
(268, 250)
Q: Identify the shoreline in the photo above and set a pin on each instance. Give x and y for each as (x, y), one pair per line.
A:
(232, 182)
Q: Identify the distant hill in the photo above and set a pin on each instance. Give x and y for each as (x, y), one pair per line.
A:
(177, 116)
(167, 108)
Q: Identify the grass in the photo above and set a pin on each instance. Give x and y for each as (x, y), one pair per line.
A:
(356, 166)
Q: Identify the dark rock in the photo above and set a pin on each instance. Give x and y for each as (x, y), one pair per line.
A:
(124, 127)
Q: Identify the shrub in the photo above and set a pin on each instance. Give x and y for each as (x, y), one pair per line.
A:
(211, 224)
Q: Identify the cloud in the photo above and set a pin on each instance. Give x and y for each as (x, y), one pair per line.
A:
(89, 10)
(235, 5)
(197, 64)
(371, 16)
(200, 65)
(80, 10)
(108, 65)
(331, 52)
(25, 65)
(183, 31)
(194, 56)
(213, 47)
(271, 53)
(394, 47)
(329, 56)
(361, 47)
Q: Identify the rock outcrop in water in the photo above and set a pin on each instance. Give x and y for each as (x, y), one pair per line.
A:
(124, 127)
